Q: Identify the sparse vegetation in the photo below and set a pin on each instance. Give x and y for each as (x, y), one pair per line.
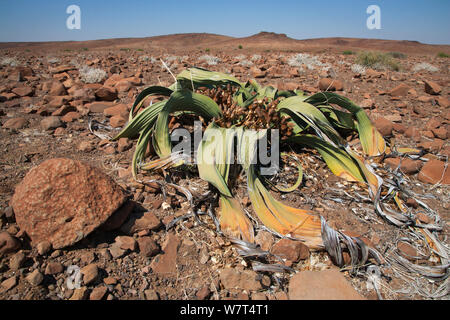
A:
(210, 60)
(92, 75)
(443, 55)
(377, 61)
(53, 60)
(397, 55)
(304, 59)
(424, 66)
(84, 49)
(357, 68)
(256, 57)
(9, 61)
(245, 63)
(125, 49)
(207, 50)
(240, 46)
(348, 52)
(140, 49)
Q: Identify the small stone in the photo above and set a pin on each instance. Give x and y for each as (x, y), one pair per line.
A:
(16, 261)
(106, 94)
(50, 123)
(423, 218)
(116, 251)
(400, 90)
(53, 268)
(433, 172)
(110, 281)
(15, 123)
(43, 247)
(117, 121)
(327, 84)
(139, 221)
(151, 294)
(409, 166)
(90, 273)
(23, 91)
(124, 144)
(235, 279)
(98, 293)
(265, 240)
(80, 294)
(8, 284)
(407, 250)
(35, 278)
(166, 263)
(432, 87)
(384, 126)
(148, 247)
(8, 243)
(291, 250)
(57, 89)
(126, 243)
(203, 293)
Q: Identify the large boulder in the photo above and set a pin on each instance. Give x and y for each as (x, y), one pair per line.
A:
(64, 200)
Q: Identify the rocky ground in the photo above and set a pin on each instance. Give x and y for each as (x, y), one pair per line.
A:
(47, 100)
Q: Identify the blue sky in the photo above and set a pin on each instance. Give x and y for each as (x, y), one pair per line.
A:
(427, 21)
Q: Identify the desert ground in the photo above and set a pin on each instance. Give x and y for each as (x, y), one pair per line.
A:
(51, 92)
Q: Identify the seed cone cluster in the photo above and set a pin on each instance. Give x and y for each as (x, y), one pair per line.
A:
(261, 114)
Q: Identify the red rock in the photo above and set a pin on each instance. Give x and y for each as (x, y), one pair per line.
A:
(63, 200)
(8, 243)
(433, 123)
(117, 121)
(126, 243)
(384, 126)
(433, 172)
(140, 221)
(367, 104)
(124, 144)
(117, 110)
(8, 284)
(443, 102)
(327, 84)
(86, 146)
(203, 293)
(71, 116)
(432, 87)
(265, 240)
(35, 278)
(99, 107)
(407, 250)
(424, 99)
(57, 89)
(411, 202)
(291, 250)
(148, 247)
(25, 71)
(400, 90)
(409, 166)
(98, 293)
(123, 86)
(61, 69)
(236, 279)
(50, 123)
(423, 218)
(399, 128)
(63, 110)
(392, 163)
(15, 123)
(54, 267)
(106, 94)
(321, 285)
(57, 102)
(17, 260)
(440, 133)
(80, 294)
(90, 273)
(166, 263)
(413, 132)
(113, 80)
(23, 91)
(257, 72)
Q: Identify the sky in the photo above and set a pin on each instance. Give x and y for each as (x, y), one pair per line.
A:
(427, 21)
